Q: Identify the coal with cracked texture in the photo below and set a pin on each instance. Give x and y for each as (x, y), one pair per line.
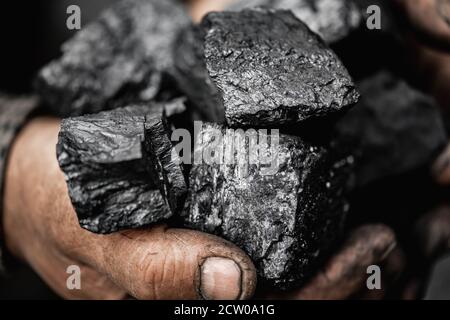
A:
(285, 216)
(122, 57)
(278, 74)
(120, 169)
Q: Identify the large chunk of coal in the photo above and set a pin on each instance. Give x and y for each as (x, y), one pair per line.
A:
(123, 56)
(120, 168)
(282, 73)
(284, 214)
(331, 19)
(393, 129)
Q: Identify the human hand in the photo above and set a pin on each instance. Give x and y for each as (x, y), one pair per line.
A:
(158, 263)
(344, 276)
(40, 226)
(428, 19)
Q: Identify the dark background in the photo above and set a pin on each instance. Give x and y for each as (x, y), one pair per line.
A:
(31, 34)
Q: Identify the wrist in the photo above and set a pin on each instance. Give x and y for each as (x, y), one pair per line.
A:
(14, 112)
(11, 196)
(30, 155)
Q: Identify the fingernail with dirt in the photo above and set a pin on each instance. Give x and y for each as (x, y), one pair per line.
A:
(220, 279)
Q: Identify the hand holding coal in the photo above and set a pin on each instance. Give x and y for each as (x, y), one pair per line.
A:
(122, 172)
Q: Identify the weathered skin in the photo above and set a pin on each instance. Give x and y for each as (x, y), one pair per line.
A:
(333, 20)
(280, 74)
(393, 129)
(118, 168)
(285, 220)
(120, 58)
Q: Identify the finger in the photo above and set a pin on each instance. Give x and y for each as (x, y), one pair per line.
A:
(429, 19)
(433, 232)
(156, 263)
(412, 289)
(391, 269)
(199, 8)
(441, 167)
(160, 263)
(346, 273)
(163, 263)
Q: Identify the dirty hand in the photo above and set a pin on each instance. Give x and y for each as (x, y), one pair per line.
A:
(345, 275)
(40, 226)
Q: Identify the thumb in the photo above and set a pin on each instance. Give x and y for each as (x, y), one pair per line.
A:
(430, 20)
(441, 167)
(164, 263)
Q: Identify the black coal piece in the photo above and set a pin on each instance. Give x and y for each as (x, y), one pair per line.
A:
(333, 20)
(393, 129)
(284, 214)
(261, 68)
(122, 57)
(120, 169)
